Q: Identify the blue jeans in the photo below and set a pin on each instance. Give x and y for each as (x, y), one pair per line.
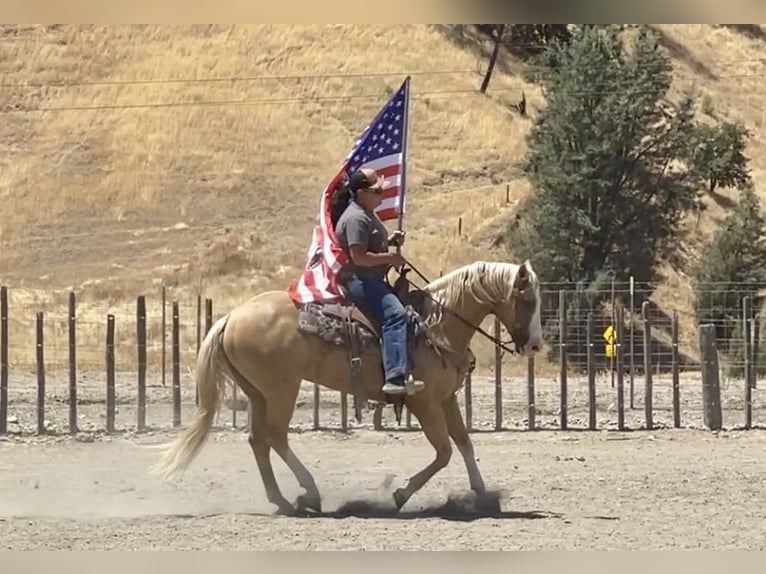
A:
(378, 299)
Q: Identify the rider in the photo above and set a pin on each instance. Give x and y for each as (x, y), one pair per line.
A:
(364, 238)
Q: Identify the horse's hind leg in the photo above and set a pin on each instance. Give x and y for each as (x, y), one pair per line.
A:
(279, 411)
(262, 451)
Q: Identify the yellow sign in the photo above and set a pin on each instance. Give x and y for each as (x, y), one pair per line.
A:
(610, 336)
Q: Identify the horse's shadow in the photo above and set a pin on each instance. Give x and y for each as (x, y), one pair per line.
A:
(358, 510)
(453, 510)
(456, 508)
(459, 508)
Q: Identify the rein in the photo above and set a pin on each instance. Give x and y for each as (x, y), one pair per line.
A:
(476, 328)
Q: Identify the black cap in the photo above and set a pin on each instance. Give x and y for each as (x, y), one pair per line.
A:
(365, 178)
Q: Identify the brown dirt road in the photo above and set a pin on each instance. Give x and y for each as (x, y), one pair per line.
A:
(563, 490)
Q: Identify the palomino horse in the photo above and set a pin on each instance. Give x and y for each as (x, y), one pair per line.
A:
(260, 346)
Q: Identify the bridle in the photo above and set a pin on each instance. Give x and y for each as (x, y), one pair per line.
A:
(515, 294)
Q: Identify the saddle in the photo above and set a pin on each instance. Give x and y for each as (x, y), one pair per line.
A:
(344, 324)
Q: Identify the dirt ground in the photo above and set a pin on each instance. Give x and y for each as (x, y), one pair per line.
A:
(664, 488)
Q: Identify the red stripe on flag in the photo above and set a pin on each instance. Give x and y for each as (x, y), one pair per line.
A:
(388, 213)
(391, 192)
(390, 170)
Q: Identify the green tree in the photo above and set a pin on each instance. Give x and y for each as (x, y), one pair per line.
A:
(717, 154)
(733, 266)
(531, 39)
(605, 199)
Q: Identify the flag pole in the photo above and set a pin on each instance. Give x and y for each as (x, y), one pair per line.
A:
(400, 218)
(403, 176)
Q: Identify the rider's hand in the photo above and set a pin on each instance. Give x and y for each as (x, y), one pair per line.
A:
(397, 238)
(397, 260)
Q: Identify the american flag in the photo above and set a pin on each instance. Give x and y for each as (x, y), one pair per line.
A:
(382, 147)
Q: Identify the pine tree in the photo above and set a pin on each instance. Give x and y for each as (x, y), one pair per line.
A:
(733, 266)
(717, 154)
(607, 198)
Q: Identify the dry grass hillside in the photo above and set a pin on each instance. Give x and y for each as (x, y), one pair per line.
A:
(196, 154)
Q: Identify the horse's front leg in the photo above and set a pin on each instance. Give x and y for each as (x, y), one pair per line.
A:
(458, 432)
(432, 421)
(484, 501)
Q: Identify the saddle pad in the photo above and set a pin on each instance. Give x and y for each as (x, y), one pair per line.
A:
(327, 322)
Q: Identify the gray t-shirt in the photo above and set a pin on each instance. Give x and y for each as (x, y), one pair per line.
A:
(356, 227)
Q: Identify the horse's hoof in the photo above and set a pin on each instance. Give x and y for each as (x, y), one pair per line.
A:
(305, 502)
(400, 498)
(285, 509)
(487, 503)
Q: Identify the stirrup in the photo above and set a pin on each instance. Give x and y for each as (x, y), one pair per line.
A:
(412, 386)
(394, 389)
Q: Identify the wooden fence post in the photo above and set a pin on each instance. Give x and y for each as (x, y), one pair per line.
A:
(164, 331)
(344, 411)
(648, 408)
(631, 383)
(563, 357)
(3, 359)
(176, 367)
(110, 369)
(498, 379)
(141, 339)
(619, 362)
(531, 407)
(198, 319)
(591, 368)
(746, 321)
(40, 352)
(208, 314)
(756, 344)
(711, 390)
(676, 378)
(234, 404)
(468, 402)
(72, 363)
(613, 320)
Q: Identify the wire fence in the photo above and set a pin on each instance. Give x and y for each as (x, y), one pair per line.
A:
(614, 359)
(722, 305)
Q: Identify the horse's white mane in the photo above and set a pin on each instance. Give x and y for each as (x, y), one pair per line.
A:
(486, 281)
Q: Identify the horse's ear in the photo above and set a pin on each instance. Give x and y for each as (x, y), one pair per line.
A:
(522, 277)
(523, 270)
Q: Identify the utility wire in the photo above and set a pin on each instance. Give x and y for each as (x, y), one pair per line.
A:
(10, 109)
(229, 79)
(297, 77)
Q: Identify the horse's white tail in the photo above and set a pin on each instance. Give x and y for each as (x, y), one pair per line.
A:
(210, 384)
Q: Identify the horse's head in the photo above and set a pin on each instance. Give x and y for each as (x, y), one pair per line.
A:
(509, 291)
(520, 313)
